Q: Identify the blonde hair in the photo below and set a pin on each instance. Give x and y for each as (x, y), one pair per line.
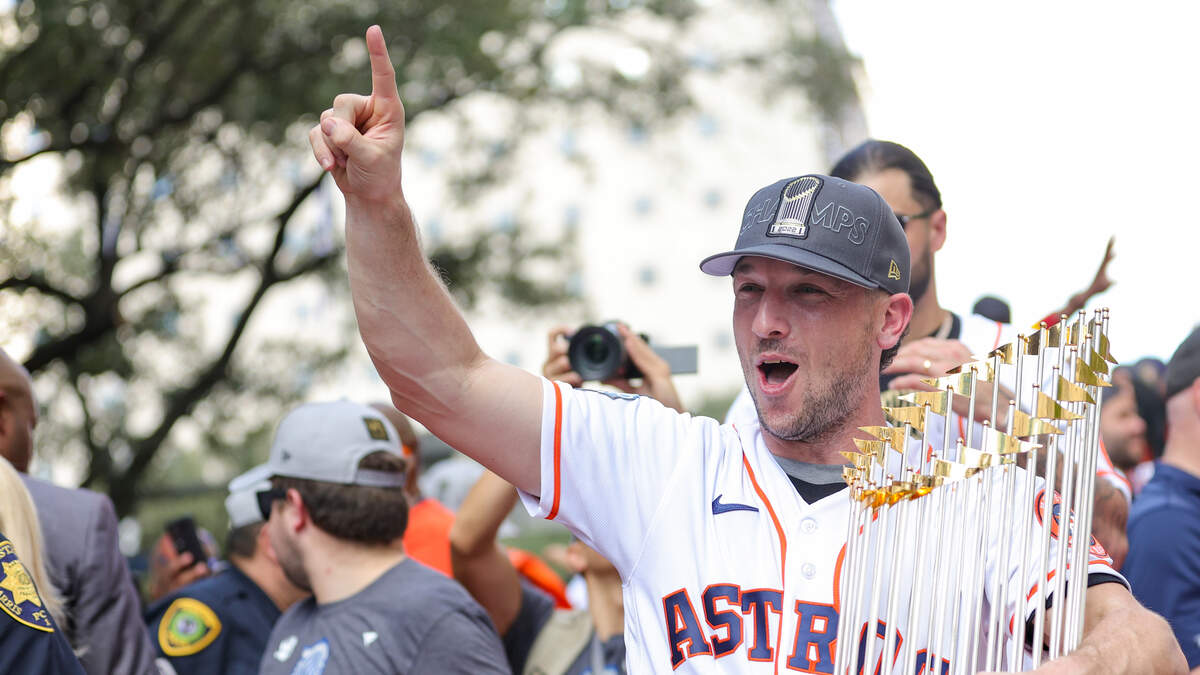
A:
(19, 524)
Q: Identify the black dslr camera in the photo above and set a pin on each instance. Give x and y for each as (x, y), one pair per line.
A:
(597, 353)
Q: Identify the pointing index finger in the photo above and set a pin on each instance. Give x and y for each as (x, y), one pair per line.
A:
(383, 76)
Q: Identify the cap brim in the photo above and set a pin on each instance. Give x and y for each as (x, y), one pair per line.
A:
(722, 264)
(258, 474)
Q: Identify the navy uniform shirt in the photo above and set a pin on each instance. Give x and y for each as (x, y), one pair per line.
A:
(1163, 565)
(30, 641)
(217, 625)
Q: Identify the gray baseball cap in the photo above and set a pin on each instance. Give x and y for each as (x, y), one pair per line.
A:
(1184, 366)
(326, 441)
(826, 224)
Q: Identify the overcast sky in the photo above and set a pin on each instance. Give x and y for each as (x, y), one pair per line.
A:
(1049, 127)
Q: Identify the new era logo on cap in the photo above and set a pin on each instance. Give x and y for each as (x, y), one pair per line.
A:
(824, 224)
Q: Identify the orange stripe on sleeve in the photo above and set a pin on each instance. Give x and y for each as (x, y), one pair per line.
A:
(557, 451)
(999, 332)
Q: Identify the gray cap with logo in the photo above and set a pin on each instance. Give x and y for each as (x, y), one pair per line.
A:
(825, 224)
(326, 441)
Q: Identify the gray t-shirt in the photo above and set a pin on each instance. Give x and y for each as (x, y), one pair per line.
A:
(410, 620)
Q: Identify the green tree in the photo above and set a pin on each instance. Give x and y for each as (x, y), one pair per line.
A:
(178, 131)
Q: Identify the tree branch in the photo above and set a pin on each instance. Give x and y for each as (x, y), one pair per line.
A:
(38, 282)
(180, 403)
(100, 462)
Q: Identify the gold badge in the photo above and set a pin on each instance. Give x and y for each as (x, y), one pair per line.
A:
(893, 270)
(187, 627)
(18, 595)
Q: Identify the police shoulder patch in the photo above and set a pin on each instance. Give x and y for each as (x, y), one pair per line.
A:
(19, 597)
(187, 627)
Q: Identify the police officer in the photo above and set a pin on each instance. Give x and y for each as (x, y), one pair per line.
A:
(30, 641)
(220, 624)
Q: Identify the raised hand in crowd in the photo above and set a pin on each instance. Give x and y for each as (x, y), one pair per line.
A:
(655, 383)
(171, 570)
(1100, 283)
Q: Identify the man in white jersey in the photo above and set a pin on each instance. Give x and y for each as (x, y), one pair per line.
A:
(725, 567)
(939, 339)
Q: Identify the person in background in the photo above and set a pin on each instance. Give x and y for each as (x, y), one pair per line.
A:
(991, 307)
(427, 537)
(220, 624)
(1122, 429)
(104, 623)
(336, 512)
(1164, 526)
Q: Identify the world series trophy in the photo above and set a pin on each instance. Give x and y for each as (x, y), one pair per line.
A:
(957, 534)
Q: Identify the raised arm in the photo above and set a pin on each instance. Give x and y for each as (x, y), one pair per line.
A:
(413, 331)
(479, 563)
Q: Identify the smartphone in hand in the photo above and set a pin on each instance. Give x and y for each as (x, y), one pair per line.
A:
(182, 533)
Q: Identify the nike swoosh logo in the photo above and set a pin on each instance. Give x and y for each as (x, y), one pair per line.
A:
(718, 507)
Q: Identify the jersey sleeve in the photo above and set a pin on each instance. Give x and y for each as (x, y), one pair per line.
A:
(457, 644)
(606, 462)
(1029, 575)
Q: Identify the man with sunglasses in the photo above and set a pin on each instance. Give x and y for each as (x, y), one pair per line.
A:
(336, 514)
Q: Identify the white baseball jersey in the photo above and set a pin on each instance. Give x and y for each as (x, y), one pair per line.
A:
(725, 567)
(980, 335)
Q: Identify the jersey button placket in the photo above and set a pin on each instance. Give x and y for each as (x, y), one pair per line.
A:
(808, 525)
(808, 570)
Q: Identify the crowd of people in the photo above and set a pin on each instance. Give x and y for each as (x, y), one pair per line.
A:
(702, 546)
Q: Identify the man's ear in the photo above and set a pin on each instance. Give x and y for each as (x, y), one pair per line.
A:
(264, 544)
(1194, 390)
(295, 513)
(937, 230)
(897, 312)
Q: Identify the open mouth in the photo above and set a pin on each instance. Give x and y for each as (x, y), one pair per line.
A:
(775, 372)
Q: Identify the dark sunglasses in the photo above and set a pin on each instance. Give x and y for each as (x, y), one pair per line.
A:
(905, 219)
(266, 499)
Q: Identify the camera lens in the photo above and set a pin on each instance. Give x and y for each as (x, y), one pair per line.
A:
(596, 348)
(596, 353)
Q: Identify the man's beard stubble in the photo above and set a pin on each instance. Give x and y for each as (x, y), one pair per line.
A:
(823, 412)
(291, 565)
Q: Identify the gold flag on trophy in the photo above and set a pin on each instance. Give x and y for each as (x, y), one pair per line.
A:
(1066, 391)
(938, 401)
(1049, 409)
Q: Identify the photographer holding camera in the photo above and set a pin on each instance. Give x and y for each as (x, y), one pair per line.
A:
(655, 380)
